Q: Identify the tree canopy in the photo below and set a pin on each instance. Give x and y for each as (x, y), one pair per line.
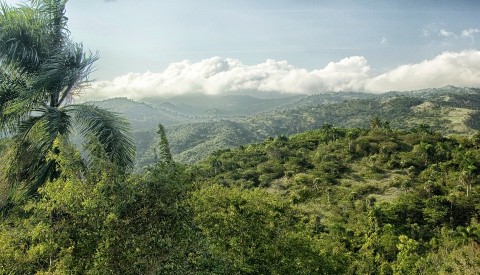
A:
(41, 71)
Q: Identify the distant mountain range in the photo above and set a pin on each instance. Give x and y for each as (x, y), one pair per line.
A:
(225, 105)
(198, 125)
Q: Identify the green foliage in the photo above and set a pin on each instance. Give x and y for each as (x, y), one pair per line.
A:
(386, 196)
(163, 146)
(41, 70)
(448, 110)
(254, 232)
(96, 222)
(326, 201)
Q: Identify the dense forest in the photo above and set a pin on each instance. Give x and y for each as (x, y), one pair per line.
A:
(328, 201)
(195, 135)
(309, 197)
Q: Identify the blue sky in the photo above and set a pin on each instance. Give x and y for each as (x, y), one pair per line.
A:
(138, 37)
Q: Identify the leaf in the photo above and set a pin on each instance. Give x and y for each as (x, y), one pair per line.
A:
(111, 130)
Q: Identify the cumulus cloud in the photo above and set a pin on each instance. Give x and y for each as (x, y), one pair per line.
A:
(218, 75)
(449, 68)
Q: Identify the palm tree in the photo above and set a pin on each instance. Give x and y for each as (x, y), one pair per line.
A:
(468, 167)
(375, 122)
(329, 132)
(41, 70)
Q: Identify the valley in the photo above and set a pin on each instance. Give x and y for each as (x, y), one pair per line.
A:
(244, 119)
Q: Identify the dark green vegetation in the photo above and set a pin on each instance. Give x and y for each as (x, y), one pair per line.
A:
(369, 200)
(41, 69)
(379, 201)
(449, 110)
(328, 201)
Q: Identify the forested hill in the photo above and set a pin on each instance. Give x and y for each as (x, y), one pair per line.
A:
(334, 183)
(225, 105)
(448, 111)
(327, 201)
(143, 116)
(379, 201)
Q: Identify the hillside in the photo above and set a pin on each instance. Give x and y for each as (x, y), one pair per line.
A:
(445, 110)
(326, 201)
(190, 139)
(221, 105)
(448, 110)
(143, 116)
(389, 201)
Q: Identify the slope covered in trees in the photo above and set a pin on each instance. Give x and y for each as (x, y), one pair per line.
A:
(234, 105)
(449, 110)
(327, 201)
(401, 202)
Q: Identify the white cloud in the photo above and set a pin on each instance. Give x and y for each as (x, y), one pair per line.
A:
(425, 32)
(224, 75)
(470, 33)
(449, 68)
(432, 29)
(445, 33)
(439, 30)
(218, 75)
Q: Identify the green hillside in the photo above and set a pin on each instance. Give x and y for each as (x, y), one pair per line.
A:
(252, 183)
(390, 201)
(143, 116)
(449, 111)
(327, 201)
(225, 105)
(193, 138)
(218, 125)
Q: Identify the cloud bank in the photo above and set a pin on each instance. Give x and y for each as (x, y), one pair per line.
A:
(218, 75)
(450, 68)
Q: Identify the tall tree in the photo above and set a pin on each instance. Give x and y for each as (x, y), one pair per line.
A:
(375, 122)
(41, 70)
(163, 146)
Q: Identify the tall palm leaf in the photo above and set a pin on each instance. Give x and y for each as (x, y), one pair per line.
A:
(112, 131)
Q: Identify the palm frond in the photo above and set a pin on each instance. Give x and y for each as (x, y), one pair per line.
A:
(24, 167)
(11, 87)
(44, 172)
(15, 112)
(48, 123)
(63, 72)
(53, 11)
(36, 137)
(40, 67)
(112, 131)
(8, 89)
(23, 37)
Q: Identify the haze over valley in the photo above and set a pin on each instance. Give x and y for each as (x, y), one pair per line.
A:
(199, 125)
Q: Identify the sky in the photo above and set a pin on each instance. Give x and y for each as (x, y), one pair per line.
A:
(169, 47)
